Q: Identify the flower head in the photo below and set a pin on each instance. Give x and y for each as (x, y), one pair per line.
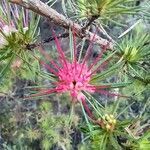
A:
(74, 76)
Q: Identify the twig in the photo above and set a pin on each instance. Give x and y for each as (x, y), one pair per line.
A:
(90, 21)
(34, 45)
(60, 20)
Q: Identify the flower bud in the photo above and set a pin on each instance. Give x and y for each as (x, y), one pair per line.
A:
(111, 116)
(114, 121)
(108, 127)
(110, 121)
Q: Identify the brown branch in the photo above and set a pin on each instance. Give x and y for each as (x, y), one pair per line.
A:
(60, 20)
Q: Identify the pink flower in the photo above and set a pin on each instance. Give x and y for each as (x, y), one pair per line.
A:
(72, 76)
(75, 76)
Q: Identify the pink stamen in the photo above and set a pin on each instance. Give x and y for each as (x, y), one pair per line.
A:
(87, 53)
(48, 58)
(59, 49)
(99, 67)
(86, 107)
(110, 94)
(94, 87)
(48, 68)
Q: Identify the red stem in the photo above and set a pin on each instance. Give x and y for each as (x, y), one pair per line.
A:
(89, 112)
